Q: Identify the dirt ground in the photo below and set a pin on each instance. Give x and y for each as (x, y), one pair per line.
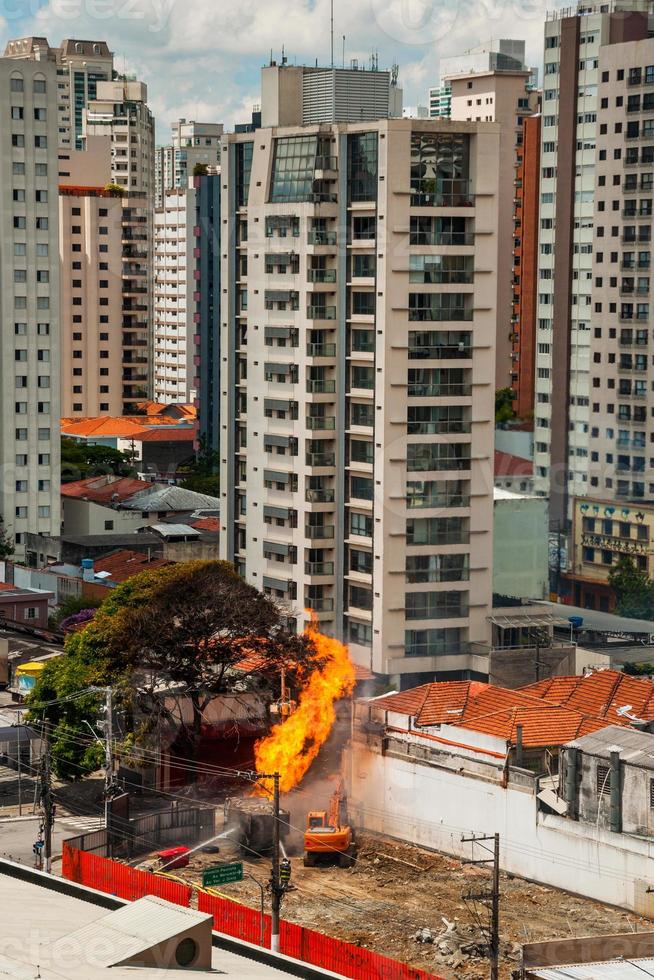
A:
(395, 891)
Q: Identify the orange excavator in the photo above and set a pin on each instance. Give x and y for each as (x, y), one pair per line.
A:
(328, 836)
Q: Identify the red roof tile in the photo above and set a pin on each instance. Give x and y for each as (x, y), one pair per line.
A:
(164, 434)
(405, 702)
(103, 427)
(206, 524)
(104, 489)
(506, 464)
(542, 726)
(122, 564)
(602, 693)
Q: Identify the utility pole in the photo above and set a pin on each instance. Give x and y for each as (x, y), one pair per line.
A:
(108, 733)
(19, 766)
(275, 883)
(46, 800)
(493, 897)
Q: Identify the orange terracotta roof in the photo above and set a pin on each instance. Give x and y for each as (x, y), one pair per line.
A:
(449, 702)
(542, 726)
(104, 426)
(206, 524)
(164, 434)
(602, 693)
(405, 702)
(506, 464)
(122, 564)
(104, 489)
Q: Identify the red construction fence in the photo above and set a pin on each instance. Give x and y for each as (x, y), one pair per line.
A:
(236, 920)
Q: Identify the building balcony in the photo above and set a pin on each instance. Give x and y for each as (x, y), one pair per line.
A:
(321, 350)
(325, 496)
(633, 317)
(322, 238)
(322, 532)
(321, 312)
(319, 568)
(315, 422)
(321, 275)
(319, 605)
(321, 459)
(439, 390)
(321, 387)
(638, 395)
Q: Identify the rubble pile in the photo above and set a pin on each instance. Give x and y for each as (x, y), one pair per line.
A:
(459, 944)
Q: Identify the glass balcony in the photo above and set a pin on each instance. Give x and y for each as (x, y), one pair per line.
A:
(321, 275)
(319, 568)
(323, 531)
(321, 459)
(321, 422)
(325, 496)
(321, 350)
(320, 387)
(321, 238)
(321, 312)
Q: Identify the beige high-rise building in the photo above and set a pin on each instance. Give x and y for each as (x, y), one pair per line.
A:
(488, 85)
(173, 305)
(29, 300)
(80, 66)
(357, 360)
(192, 143)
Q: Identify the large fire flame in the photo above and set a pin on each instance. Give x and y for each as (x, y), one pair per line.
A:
(294, 743)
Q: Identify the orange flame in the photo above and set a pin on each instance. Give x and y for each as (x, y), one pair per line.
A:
(294, 743)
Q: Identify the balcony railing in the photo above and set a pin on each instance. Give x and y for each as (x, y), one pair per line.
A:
(321, 238)
(431, 313)
(321, 459)
(440, 353)
(319, 568)
(321, 312)
(321, 422)
(320, 387)
(319, 605)
(321, 275)
(323, 532)
(439, 390)
(321, 350)
(325, 496)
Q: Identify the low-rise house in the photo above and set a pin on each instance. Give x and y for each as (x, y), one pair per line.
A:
(109, 504)
(513, 472)
(441, 762)
(25, 607)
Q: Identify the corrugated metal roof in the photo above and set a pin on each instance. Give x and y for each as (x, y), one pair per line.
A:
(636, 748)
(608, 970)
(165, 498)
(134, 928)
(175, 530)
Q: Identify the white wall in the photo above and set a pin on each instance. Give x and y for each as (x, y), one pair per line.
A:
(430, 806)
(520, 547)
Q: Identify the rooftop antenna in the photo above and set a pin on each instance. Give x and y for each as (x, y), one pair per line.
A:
(344, 51)
(332, 29)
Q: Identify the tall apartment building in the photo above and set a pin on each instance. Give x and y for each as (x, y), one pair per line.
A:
(206, 313)
(596, 166)
(174, 278)
(492, 83)
(120, 110)
(300, 95)
(498, 55)
(29, 300)
(357, 381)
(80, 66)
(524, 329)
(440, 100)
(103, 345)
(192, 143)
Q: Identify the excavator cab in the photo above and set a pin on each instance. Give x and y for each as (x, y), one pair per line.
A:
(328, 836)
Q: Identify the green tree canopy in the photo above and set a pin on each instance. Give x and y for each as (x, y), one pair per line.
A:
(6, 542)
(181, 629)
(633, 589)
(80, 460)
(504, 405)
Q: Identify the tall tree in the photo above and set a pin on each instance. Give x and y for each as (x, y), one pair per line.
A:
(6, 542)
(633, 589)
(170, 637)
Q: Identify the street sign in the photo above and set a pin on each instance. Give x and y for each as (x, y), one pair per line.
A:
(222, 874)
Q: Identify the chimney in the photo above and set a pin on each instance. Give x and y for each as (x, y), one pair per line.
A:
(87, 570)
(615, 779)
(518, 745)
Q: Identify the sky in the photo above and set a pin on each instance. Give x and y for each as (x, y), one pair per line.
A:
(201, 58)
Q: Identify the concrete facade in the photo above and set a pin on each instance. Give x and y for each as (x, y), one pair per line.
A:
(174, 273)
(207, 305)
(404, 785)
(588, 163)
(29, 300)
(503, 97)
(360, 316)
(191, 143)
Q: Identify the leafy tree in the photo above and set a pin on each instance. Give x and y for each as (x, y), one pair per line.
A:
(644, 669)
(72, 606)
(633, 589)
(181, 629)
(504, 405)
(201, 474)
(80, 460)
(6, 542)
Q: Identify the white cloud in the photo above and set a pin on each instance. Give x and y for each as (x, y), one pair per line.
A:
(202, 57)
